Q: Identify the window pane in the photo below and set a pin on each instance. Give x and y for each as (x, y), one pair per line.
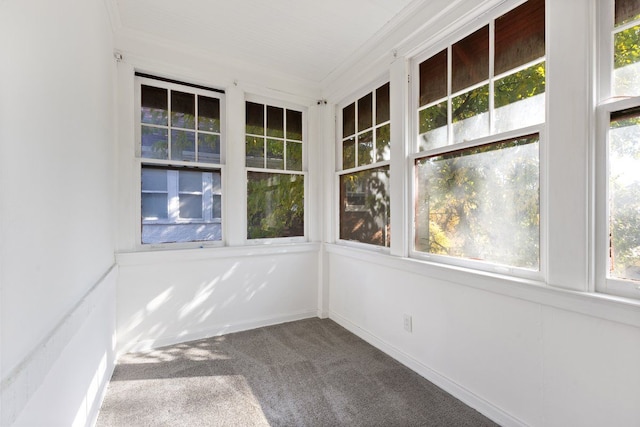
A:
(626, 73)
(255, 118)
(275, 121)
(519, 36)
(433, 78)
(365, 112)
(433, 127)
(154, 142)
(626, 11)
(190, 181)
(183, 145)
(216, 206)
(470, 114)
(349, 153)
(275, 205)
(216, 182)
(190, 206)
(154, 180)
(481, 203)
(365, 148)
(382, 104)
(349, 120)
(208, 148)
(470, 60)
(208, 114)
(624, 195)
(383, 143)
(294, 156)
(364, 206)
(255, 152)
(159, 218)
(519, 99)
(183, 110)
(294, 125)
(275, 154)
(154, 206)
(154, 105)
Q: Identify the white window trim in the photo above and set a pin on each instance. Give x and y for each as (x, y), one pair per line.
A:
(607, 104)
(173, 191)
(348, 100)
(446, 43)
(175, 245)
(139, 81)
(305, 173)
(351, 99)
(537, 275)
(604, 283)
(139, 161)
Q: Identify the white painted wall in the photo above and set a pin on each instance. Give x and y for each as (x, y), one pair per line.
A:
(175, 296)
(517, 361)
(56, 179)
(75, 384)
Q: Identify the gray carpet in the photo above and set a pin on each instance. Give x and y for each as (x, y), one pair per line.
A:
(307, 373)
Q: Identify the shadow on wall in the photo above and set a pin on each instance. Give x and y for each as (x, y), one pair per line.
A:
(168, 303)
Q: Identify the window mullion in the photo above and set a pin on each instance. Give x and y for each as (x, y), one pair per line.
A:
(207, 196)
(449, 96)
(491, 79)
(173, 195)
(169, 133)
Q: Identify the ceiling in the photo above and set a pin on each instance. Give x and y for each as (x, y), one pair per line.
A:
(304, 39)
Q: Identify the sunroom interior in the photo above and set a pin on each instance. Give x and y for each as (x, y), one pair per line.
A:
(530, 322)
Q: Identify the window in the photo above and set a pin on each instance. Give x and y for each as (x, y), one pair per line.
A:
(481, 203)
(626, 48)
(275, 176)
(364, 175)
(618, 152)
(480, 107)
(180, 162)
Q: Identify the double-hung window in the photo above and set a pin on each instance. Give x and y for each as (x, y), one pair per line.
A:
(180, 134)
(363, 175)
(618, 150)
(479, 114)
(275, 171)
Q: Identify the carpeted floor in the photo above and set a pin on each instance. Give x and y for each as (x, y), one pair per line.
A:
(307, 373)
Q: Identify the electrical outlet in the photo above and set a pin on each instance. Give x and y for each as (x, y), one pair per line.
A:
(407, 323)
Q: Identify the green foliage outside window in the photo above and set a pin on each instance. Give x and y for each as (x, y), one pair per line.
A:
(275, 205)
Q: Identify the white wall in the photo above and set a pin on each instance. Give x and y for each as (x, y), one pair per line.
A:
(76, 382)
(56, 173)
(517, 361)
(175, 296)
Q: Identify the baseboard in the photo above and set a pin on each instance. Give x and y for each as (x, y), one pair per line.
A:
(215, 330)
(476, 402)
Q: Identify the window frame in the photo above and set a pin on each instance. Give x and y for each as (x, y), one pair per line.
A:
(603, 282)
(606, 105)
(266, 101)
(353, 98)
(486, 266)
(414, 152)
(167, 164)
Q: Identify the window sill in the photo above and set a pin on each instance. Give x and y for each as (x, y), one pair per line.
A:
(196, 254)
(613, 308)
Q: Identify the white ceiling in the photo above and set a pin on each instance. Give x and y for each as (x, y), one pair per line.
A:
(304, 39)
